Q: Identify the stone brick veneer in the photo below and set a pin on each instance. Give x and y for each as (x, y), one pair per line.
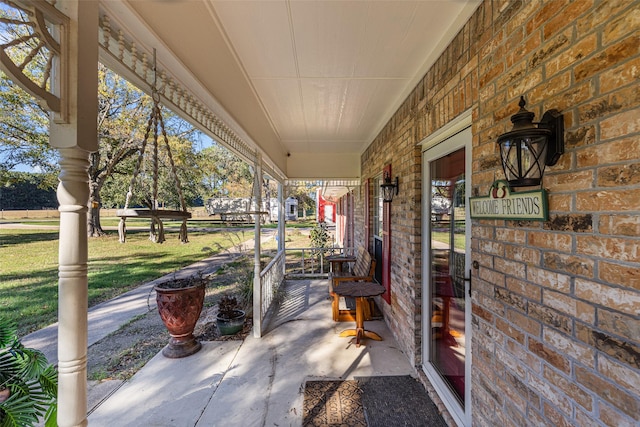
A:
(556, 305)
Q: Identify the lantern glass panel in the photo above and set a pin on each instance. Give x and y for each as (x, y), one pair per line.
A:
(523, 158)
(388, 191)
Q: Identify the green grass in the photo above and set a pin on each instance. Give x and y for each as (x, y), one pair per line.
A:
(29, 267)
(459, 239)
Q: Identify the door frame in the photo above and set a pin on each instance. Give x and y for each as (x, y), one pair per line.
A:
(451, 138)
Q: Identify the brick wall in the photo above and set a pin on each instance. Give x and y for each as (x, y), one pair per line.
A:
(556, 305)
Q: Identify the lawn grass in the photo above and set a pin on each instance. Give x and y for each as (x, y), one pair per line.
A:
(444, 237)
(29, 267)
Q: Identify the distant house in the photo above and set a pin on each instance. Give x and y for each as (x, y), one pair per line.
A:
(325, 209)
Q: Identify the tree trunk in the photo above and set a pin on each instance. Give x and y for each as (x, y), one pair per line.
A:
(94, 228)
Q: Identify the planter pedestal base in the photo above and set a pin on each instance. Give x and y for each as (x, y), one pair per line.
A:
(181, 347)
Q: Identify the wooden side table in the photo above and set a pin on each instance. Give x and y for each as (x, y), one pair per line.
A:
(360, 291)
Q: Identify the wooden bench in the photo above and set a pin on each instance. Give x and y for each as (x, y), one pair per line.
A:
(156, 229)
(363, 270)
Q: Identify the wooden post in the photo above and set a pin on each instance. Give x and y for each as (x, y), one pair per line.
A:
(73, 196)
(75, 140)
(281, 217)
(257, 285)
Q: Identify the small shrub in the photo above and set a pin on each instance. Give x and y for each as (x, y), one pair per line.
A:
(227, 306)
(246, 287)
(320, 239)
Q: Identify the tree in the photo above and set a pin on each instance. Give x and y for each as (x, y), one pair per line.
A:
(23, 142)
(223, 174)
(123, 122)
(122, 110)
(303, 194)
(24, 134)
(23, 190)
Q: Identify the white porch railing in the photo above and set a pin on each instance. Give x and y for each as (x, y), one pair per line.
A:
(294, 263)
(311, 262)
(271, 278)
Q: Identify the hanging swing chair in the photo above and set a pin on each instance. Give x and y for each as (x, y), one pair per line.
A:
(156, 228)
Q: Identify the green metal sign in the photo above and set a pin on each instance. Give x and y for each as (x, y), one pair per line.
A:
(501, 203)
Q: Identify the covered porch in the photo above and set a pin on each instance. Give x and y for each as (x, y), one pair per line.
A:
(255, 382)
(282, 136)
(324, 90)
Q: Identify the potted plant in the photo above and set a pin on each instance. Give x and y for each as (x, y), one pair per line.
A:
(230, 318)
(180, 303)
(28, 383)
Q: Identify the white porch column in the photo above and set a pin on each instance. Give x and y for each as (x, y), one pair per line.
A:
(281, 217)
(73, 196)
(257, 285)
(75, 140)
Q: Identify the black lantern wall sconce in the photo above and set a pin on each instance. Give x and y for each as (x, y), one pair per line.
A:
(389, 188)
(527, 148)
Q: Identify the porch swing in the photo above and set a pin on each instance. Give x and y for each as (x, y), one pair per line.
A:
(157, 215)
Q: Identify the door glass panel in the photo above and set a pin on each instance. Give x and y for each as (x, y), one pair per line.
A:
(377, 254)
(447, 261)
(377, 206)
(378, 217)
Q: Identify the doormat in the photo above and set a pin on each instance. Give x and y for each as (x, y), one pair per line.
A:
(370, 401)
(333, 403)
(398, 401)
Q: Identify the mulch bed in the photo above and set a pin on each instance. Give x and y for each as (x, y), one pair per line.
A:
(210, 332)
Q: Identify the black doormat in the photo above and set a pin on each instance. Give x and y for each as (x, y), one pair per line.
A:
(369, 401)
(398, 401)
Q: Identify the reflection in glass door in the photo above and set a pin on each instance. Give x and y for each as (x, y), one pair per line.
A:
(447, 270)
(378, 218)
(447, 314)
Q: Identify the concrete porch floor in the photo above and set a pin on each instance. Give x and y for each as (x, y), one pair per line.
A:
(255, 382)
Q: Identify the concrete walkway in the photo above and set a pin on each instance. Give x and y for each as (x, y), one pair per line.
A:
(255, 382)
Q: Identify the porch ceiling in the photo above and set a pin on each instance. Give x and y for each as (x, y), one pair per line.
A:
(311, 82)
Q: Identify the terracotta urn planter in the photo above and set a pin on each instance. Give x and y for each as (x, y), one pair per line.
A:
(180, 304)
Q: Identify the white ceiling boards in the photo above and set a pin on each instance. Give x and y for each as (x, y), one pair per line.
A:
(303, 76)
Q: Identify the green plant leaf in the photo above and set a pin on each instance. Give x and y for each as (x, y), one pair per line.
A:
(49, 381)
(30, 378)
(50, 418)
(17, 411)
(8, 333)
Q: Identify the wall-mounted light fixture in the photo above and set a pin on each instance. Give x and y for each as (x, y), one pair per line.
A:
(527, 148)
(389, 188)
